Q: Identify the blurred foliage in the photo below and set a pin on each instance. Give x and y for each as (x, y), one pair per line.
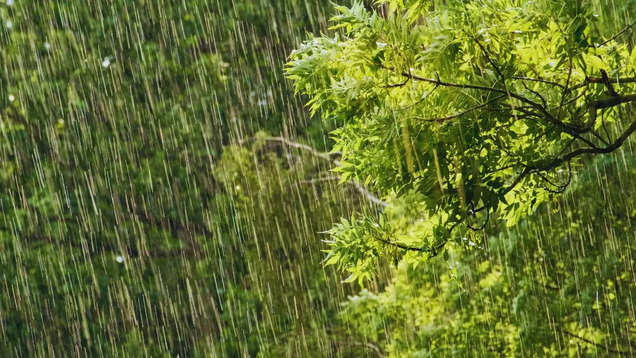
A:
(124, 231)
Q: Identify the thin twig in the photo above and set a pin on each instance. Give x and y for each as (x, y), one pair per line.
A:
(567, 84)
(545, 103)
(394, 85)
(319, 180)
(368, 195)
(544, 166)
(538, 80)
(305, 147)
(501, 76)
(618, 34)
(448, 118)
(560, 188)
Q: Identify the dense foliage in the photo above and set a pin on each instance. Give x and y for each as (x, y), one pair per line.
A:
(469, 118)
(559, 283)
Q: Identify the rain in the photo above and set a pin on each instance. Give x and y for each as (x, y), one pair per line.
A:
(165, 192)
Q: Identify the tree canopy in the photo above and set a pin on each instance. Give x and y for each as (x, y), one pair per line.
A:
(463, 112)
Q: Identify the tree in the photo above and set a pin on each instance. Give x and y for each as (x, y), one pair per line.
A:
(463, 111)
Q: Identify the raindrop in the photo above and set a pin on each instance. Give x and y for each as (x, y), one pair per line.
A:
(120, 259)
(11, 98)
(47, 45)
(106, 62)
(9, 24)
(10, 2)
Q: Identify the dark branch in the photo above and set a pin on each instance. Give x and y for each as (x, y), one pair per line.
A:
(104, 249)
(433, 251)
(402, 246)
(608, 84)
(482, 225)
(545, 103)
(397, 84)
(618, 34)
(452, 85)
(185, 232)
(582, 151)
(564, 93)
(607, 349)
(517, 180)
(544, 166)
(599, 80)
(569, 129)
(560, 188)
(612, 101)
(492, 62)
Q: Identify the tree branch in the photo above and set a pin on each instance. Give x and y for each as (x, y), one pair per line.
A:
(608, 84)
(600, 80)
(393, 85)
(618, 34)
(367, 194)
(184, 232)
(109, 249)
(582, 151)
(612, 101)
(433, 251)
(450, 84)
(362, 190)
(402, 246)
(319, 180)
(517, 180)
(544, 166)
(607, 349)
(305, 147)
(543, 101)
(328, 157)
(569, 129)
